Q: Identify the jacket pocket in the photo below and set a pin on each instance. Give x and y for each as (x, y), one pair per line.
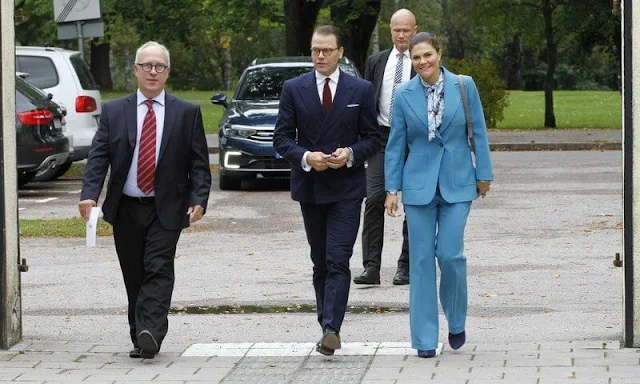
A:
(414, 174)
(464, 172)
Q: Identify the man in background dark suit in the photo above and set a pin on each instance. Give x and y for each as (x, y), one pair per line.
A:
(155, 145)
(387, 70)
(326, 129)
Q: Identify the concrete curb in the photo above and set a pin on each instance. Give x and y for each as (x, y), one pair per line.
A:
(555, 146)
(515, 147)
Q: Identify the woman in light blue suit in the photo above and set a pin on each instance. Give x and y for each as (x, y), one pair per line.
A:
(428, 158)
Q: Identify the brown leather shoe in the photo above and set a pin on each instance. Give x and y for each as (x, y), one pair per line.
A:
(370, 276)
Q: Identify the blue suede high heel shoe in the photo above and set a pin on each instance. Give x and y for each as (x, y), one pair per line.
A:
(456, 341)
(426, 354)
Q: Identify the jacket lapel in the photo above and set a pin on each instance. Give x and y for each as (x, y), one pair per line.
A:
(344, 90)
(417, 100)
(379, 75)
(169, 119)
(310, 98)
(344, 93)
(131, 118)
(452, 99)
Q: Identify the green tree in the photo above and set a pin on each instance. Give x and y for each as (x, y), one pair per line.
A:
(356, 20)
(300, 20)
(543, 23)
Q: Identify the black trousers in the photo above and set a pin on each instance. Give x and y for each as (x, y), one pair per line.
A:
(331, 231)
(374, 212)
(146, 252)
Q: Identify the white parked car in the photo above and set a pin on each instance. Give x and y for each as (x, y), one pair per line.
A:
(65, 75)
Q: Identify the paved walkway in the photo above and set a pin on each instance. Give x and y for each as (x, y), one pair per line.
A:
(552, 139)
(577, 362)
(587, 362)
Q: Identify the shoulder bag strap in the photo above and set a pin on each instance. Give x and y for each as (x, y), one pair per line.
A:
(467, 113)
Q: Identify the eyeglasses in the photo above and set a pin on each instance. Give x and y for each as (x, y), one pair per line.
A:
(325, 51)
(148, 66)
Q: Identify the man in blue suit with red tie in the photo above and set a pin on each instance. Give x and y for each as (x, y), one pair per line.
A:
(326, 129)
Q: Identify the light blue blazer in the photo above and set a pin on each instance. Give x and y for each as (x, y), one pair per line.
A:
(446, 160)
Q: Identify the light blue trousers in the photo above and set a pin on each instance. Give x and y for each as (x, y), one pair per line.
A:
(436, 230)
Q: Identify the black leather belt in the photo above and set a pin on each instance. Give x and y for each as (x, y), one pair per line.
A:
(140, 199)
(385, 129)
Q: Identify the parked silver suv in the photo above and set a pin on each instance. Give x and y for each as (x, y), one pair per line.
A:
(67, 77)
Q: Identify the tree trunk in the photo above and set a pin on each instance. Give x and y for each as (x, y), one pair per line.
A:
(100, 65)
(299, 21)
(356, 34)
(512, 70)
(451, 32)
(375, 39)
(228, 68)
(549, 116)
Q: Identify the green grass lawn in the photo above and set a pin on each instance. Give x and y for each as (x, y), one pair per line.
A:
(211, 114)
(573, 109)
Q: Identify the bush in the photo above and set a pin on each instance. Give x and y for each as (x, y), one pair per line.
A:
(490, 86)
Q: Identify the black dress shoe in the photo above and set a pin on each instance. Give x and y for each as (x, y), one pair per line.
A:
(401, 277)
(135, 353)
(147, 355)
(369, 276)
(147, 344)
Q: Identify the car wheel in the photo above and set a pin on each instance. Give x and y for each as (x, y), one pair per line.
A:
(51, 173)
(61, 170)
(229, 183)
(25, 177)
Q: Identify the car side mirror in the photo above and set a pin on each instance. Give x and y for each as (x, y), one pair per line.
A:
(220, 99)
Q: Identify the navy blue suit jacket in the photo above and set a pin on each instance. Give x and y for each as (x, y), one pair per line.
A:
(183, 177)
(302, 126)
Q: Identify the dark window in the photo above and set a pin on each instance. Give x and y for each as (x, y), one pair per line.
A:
(266, 83)
(350, 70)
(83, 72)
(28, 97)
(42, 72)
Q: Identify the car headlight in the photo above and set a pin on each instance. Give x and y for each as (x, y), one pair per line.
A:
(239, 130)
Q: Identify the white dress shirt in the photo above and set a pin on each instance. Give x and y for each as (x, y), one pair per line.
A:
(387, 83)
(131, 185)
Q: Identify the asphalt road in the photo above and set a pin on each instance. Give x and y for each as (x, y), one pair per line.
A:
(539, 248)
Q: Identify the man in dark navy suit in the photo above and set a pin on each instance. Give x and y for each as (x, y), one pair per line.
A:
(326, 129)
(155, 146)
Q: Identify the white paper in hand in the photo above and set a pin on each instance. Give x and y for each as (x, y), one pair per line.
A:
(92, 226)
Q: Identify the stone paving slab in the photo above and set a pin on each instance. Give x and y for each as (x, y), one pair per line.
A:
(552, 362)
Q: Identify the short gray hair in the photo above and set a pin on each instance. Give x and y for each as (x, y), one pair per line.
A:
(153, 44)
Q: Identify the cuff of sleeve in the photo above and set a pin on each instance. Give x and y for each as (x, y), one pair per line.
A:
(350, 159)
(303, 163)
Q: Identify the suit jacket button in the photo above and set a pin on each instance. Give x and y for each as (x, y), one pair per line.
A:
(442, 145)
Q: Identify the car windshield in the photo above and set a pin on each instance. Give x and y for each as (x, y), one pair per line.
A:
(266, 83)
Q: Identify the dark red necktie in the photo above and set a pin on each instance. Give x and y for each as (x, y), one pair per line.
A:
(326, 97)
(147, 152)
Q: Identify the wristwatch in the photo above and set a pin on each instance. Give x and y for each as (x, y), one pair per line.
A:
(392, 192)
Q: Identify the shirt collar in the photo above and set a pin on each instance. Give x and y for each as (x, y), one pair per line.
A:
(394, 52)
(158, 99)
(427, 85)
(334, 76)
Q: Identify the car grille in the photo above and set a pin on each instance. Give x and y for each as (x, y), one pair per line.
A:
(264, 135)
(269, 163)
